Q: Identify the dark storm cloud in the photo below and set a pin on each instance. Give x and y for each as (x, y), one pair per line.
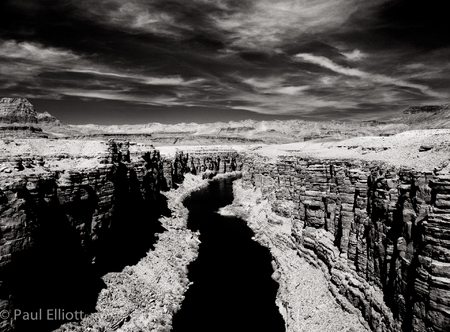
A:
(311, 58)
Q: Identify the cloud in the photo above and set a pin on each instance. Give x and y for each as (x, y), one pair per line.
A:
(21, 63)
(266, 56)
(376, 78)
(134, 15)
(274, 85)
(288, 104)
(251, 24)
(174, 80)
(35, 53)
(267, 24)
(354, 55)
(122, 96)
(266, 83)
(291, 90)
(30, 64)
(176, 19)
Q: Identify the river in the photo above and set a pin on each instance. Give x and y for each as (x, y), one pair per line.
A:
(233, 289)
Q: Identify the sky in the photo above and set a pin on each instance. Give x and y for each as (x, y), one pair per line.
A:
(169, 61)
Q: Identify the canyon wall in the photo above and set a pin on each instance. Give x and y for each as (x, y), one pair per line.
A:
(380, 235)
(60, 230)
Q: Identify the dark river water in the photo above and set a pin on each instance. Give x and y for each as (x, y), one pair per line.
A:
(232, 289)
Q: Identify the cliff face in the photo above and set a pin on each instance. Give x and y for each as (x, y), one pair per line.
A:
(54, 224)
(380, 234)
(21, 111)
(60, 229)
(18, 110)
(427, 117)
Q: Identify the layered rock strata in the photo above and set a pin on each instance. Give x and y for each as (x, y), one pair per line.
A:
(20, 131)
(379, 234)
(20, 110)
(145, 296)
(100, 215)
(83, 207)
(17, 110)
(18, 119)
(303, 298)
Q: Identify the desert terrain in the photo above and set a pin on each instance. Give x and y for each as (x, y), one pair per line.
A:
(311, 192)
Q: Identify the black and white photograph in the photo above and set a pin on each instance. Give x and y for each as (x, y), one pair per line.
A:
(224, 166)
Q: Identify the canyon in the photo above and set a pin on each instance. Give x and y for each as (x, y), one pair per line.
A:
(61, 226)
(357, 227)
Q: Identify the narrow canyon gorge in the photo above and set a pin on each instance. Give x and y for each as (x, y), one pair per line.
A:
(232, 286)
(365, 242)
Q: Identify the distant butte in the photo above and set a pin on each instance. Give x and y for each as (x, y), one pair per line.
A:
(17, 110)
(21, 111)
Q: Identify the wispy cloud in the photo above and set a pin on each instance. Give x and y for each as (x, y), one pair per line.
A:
(291, 90)
(29, 63)
(377, 78)
(122, 96)
(354, 55)
(251, 24)
(35, 52)
(266, 83)
(29, 59)
(175, 80)
(299, 57)
(288, 104)
(266, 24)
(274, 85)
(134, 15)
